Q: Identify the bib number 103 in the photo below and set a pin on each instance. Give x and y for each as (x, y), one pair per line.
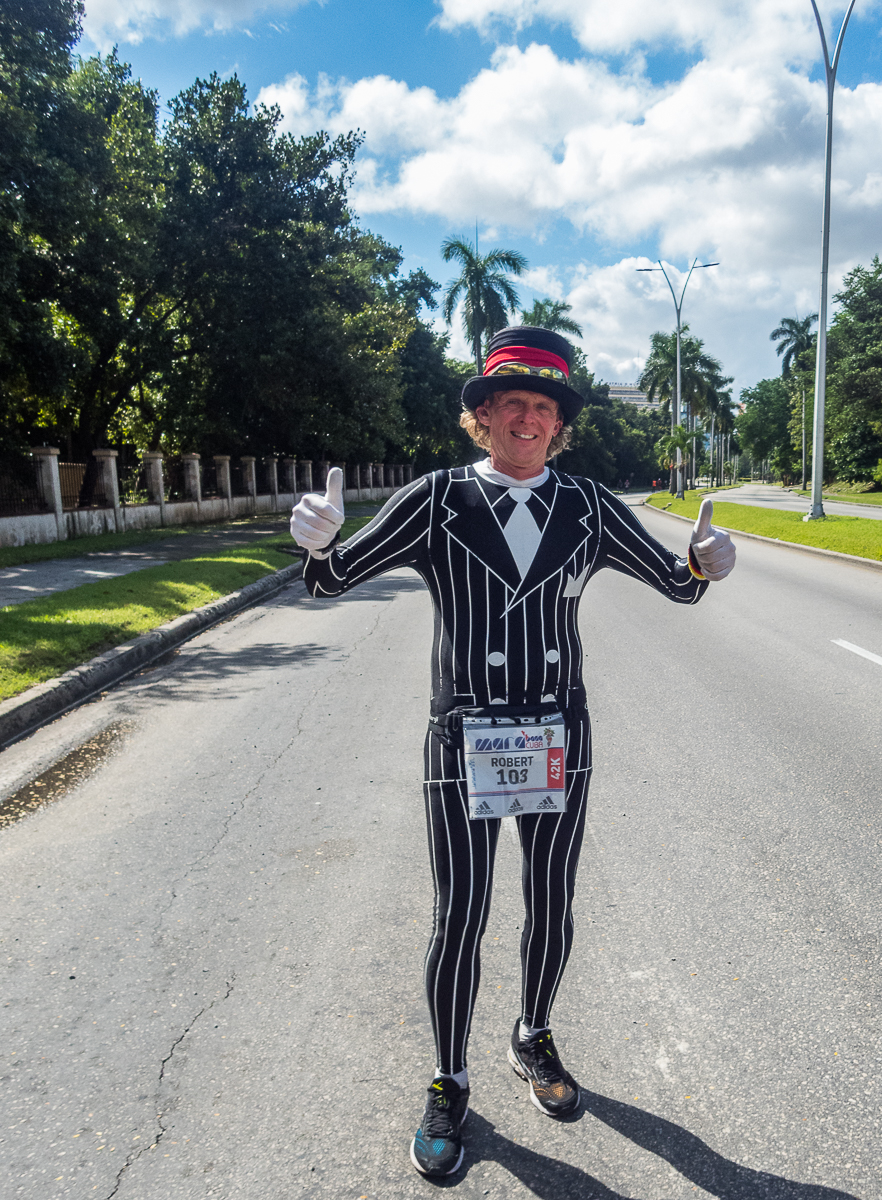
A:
(513, 777)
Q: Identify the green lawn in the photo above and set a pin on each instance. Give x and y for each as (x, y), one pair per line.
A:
(40, 639)
(849, 535)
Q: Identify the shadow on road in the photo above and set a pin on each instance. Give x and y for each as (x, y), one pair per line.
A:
(214, 666)
(384, 588)
(550, 1179)
(694, 1159)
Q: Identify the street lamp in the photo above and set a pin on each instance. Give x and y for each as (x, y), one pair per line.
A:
(678, 308)
(817, 509)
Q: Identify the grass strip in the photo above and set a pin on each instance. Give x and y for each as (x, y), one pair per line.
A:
(40, 639)
(860, 536)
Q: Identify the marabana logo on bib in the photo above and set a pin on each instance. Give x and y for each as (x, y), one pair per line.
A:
(518, 742)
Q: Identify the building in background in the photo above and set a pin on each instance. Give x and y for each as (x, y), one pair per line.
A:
(630, 393)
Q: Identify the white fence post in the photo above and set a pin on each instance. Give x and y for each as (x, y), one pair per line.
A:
(152, 460)
(110, 483)
(192, 482)
(49, 483)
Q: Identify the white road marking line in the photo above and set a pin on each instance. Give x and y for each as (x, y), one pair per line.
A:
(876, 658)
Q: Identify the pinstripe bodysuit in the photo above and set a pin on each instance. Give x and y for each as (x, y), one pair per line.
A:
(501, 638)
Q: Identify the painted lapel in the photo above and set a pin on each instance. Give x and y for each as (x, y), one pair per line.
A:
(473, 523)
(568, 527)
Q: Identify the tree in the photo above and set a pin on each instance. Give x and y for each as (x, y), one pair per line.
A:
(44, 146)
(700, 374)
(680, 438)
(488, 294)
(854, 377)
(552, 314)
(795, 342)
(702, 383)
(107, 315)
(612, 441)
(794, 338)
(763, 425)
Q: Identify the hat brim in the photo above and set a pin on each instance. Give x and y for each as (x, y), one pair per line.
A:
(477, 390)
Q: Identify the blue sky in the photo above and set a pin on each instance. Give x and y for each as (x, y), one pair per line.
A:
(592, 140)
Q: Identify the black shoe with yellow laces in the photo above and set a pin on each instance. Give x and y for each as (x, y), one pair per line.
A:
(437, 1146)
(552, 1089)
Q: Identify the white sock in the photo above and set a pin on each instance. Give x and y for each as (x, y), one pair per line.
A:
(527, 1031)
(461, 1077)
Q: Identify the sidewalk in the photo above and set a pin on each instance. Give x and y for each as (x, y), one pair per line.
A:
(29, 581)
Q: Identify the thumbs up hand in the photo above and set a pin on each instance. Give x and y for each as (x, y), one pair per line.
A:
(712, 548)
(316, 520)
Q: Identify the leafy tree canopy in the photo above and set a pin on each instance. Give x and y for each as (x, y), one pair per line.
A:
(854, 377)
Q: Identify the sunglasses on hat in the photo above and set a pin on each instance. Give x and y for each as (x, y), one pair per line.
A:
(515, 368)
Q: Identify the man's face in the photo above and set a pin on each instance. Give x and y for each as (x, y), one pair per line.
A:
(521, 426)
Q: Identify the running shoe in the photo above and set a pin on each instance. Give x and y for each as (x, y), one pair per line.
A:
(552, 1089)
(437, 1147)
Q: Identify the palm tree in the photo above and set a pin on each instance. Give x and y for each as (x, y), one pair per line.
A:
(794, 337)
(551, 314)
(701, 379)
(488, 294)
(699, 372)
(680, 438)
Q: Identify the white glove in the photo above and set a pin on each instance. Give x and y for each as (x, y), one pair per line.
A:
(712, 548)
(316, 520)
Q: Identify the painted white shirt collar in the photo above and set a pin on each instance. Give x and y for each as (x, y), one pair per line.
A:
(486, 471)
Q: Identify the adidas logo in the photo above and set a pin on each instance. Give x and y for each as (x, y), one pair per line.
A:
(484, 809)
(515, 806)
(546, 804)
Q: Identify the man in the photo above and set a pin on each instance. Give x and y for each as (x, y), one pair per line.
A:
(505, 547)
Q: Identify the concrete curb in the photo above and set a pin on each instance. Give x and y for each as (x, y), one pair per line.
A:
(873, 563)
(21, 715)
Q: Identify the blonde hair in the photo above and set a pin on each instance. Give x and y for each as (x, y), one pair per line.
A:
(480, 434)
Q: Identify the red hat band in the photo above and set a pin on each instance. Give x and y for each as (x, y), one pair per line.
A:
(526, 355)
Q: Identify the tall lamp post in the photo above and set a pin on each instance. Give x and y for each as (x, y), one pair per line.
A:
(678, 308)
(817, 509)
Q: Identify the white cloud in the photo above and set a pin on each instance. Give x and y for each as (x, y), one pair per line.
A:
(726, 161)
(771, 29)
(111, 21)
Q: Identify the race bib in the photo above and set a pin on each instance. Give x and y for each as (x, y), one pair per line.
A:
(514, 766)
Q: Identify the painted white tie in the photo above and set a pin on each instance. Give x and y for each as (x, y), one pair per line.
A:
(521, 531)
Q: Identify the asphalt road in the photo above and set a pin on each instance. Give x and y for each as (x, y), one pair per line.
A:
(214, 941)
(764, 495)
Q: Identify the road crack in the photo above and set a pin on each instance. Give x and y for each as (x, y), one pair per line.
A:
(163, 1129)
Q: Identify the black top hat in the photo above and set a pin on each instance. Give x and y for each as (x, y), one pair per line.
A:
(531, 346)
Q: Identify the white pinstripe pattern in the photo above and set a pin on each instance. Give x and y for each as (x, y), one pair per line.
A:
(445, 527)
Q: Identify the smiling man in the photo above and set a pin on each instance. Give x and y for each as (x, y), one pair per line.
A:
(506, 547)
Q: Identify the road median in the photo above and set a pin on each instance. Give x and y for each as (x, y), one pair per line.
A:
(849, 539)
